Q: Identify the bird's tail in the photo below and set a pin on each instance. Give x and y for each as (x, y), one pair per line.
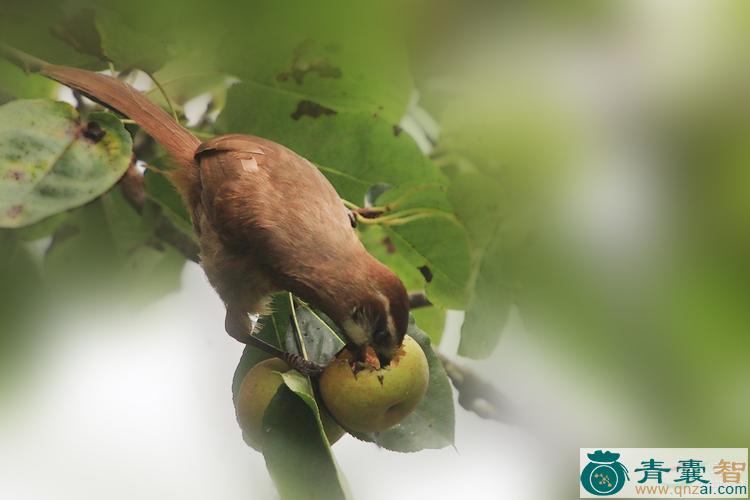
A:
(121, 97)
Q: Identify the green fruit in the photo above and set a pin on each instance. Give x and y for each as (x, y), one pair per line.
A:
(256, 392)
(372, 399)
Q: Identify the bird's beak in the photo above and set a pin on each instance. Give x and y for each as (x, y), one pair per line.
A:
(384, 359)
(360, 351)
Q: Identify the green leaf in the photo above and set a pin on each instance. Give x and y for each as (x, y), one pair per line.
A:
(490, 302)
(496, 230)
(354, 149)
(477, 199)
(272, 328)
(152, 273)
(50, 161)
(83, 251)
(297, 453)
(342, 55)
(296, 449)
(302, 387)
(378, 243)
(159, 190)
(431, 320)
(437, 246)
(432, 424)
(30, 27)
(127, 47)
(79, 31)
(128, 228)
(188, 76)
(18, 271)
(107, 246)
(431, 239)
(15, 84)
(43, 228)
(21, 303)
(316, 335)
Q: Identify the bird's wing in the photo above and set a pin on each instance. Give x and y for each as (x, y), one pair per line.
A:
(264, 199)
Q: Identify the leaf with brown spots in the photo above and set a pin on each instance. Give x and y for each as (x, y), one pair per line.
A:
(51, 162)
(311, 109)
(431, 240)
(342, 55)
(425, 270)
(353, 149)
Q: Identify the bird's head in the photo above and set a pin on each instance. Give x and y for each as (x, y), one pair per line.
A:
(380, 317)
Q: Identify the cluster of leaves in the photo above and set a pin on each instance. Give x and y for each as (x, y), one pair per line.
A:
(334, 90)
(326, 90)
(295, 447)
(57, 175)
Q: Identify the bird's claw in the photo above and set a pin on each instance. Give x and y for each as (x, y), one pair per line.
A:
(304, 366)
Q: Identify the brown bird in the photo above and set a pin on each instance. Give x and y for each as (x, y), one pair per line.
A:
(267, 221)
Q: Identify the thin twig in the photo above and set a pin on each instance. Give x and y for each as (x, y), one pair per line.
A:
(169, 233)
(165, 95)
(133, 187)
(181, 77)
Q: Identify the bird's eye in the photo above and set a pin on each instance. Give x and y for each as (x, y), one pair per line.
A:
(380, 335)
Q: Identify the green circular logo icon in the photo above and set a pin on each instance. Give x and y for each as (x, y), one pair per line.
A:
(604, 475)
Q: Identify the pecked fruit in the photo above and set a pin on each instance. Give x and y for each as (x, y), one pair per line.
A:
(255, 394)
(371, 398)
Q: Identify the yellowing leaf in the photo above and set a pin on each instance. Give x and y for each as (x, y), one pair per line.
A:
(51, 161)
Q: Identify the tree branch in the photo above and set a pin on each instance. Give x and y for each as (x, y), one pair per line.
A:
(477, 395)
(169, 233)
(474, 394)
(133, 187)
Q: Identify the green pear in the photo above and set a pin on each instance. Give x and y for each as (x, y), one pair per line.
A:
(372, 399)
(256, 392)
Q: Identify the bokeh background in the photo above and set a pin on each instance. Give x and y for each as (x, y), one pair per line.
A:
(616, 137)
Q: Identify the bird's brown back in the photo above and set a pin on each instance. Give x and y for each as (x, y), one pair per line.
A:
(266, 201)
